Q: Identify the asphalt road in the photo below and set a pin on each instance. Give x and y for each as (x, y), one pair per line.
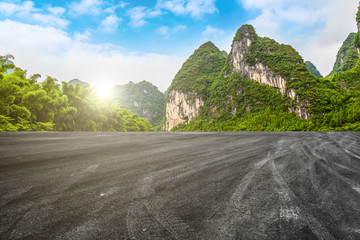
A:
(179, 185)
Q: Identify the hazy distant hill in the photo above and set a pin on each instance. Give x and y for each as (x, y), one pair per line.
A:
(142, 98)
(313, 69)
(75, 81)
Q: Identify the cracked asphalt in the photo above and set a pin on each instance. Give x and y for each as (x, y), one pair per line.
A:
(244, 185)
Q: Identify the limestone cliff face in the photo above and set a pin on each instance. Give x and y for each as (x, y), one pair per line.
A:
(181, 108)
(301, 107)
(260, 72)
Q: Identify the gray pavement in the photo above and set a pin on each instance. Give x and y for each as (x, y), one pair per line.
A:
(247, 185)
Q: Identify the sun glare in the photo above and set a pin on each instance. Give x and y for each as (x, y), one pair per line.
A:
(103, 91)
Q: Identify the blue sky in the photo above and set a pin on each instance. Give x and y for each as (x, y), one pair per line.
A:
(108, 42)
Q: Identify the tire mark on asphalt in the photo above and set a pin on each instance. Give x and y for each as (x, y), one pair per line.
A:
(351, 153)
(314, 182)
(153, 208)
(236, 210)
(294, 213)
(38, 212)
(334, 155)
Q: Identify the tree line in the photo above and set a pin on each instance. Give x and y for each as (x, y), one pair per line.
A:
(29, 105)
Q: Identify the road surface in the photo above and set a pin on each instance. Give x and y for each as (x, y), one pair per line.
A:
(104, 185)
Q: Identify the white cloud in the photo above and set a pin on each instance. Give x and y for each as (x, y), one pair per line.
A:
(114, 7)
(8, 8)
(51, 20)
(57, 11)
(27, 11)
(110, 24)
(50, 51)
(165, 31)
(27, 7)
(82, 37)
(86, 7)
(211, 31)
(123, 4)
(196, 8)
(316, 28)
(179, 28)
(139, 14)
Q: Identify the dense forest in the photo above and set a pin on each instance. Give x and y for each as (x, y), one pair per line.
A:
(26, 105)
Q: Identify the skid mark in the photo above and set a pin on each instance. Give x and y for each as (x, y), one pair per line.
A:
(240, 190)
(289, 211)
(109, 192)
(314, 182)
(149, 218)
(357, 189)
(85, 230)
(91, 168)
(242, 187)
(291, 207)
(41, 210)
(351, 153)
(168, 219)
(36, 216)
(87, 170)
(238, 211)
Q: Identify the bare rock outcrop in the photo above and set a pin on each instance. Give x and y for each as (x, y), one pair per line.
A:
(181, 108)
(259, 72)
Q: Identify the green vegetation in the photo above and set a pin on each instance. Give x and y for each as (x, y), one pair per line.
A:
(26, 105)
(282, 59)
(245, 31)
(285, 61)
(346, 57)
(349, 81)
(245, 105)
(199, 71)
(238, 104)
(311, 67)
(357, 37)
(142, 98)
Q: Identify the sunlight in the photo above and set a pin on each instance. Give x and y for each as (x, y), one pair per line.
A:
(103, 91)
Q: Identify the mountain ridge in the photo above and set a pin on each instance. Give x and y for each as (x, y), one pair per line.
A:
(288, 96)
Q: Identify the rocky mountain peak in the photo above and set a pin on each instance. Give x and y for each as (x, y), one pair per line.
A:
(245, 32)
(259, 72)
